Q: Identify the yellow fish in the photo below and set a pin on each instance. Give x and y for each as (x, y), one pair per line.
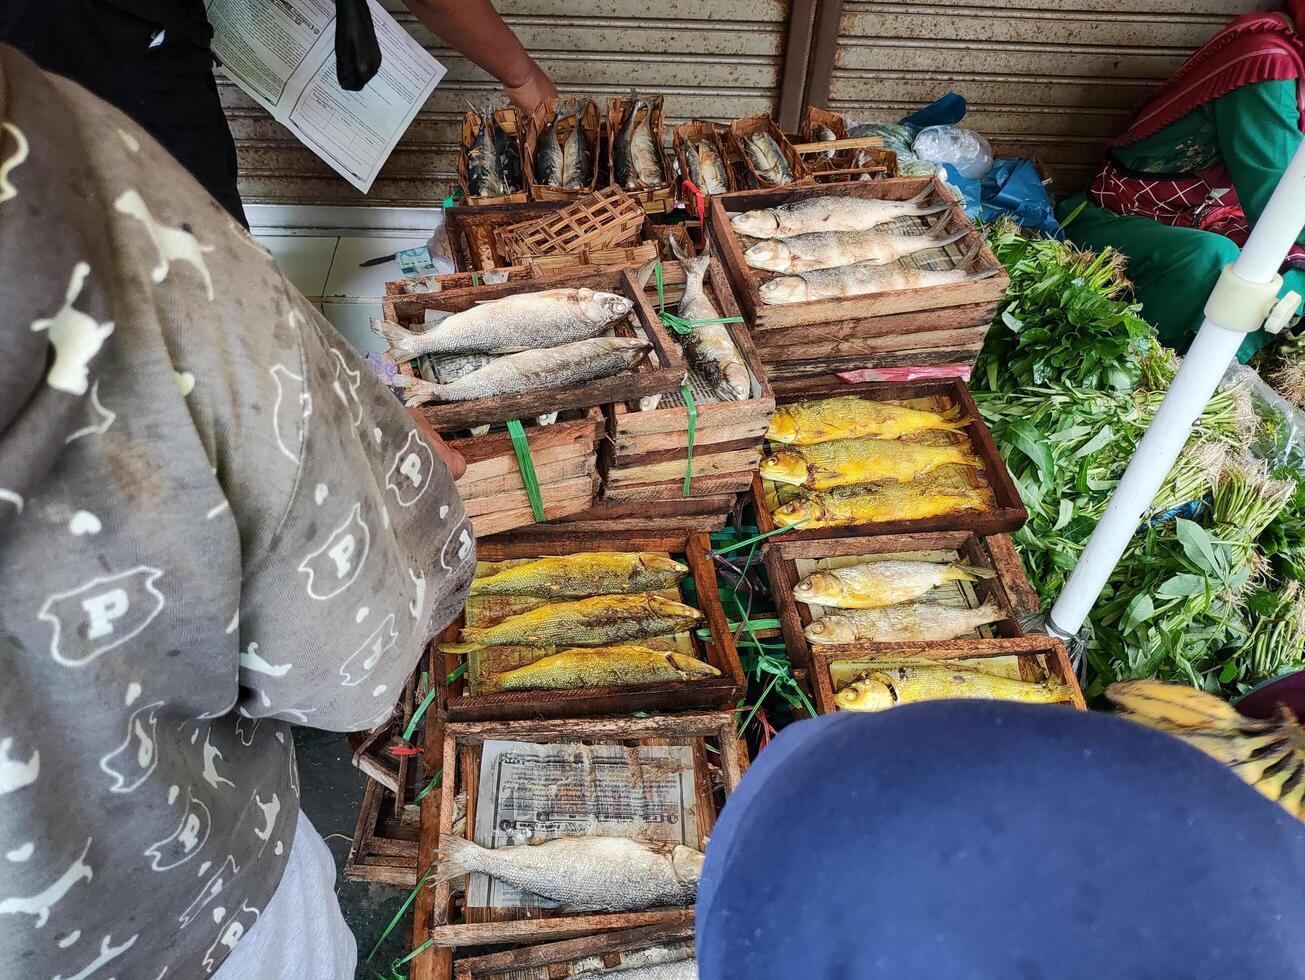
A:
(1266, 754)
(909, 621)
(881, 502)
(593, 622)
(851, 417)
(842, 462)
(903, 682)
(614, 666)
(873, 584)
(585, 573)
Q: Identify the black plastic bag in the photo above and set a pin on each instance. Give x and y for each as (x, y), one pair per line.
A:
(357, 54)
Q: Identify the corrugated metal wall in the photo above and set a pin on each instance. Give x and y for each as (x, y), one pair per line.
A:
(711, 58)
(1053, 79)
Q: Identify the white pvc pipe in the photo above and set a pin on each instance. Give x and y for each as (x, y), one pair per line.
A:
(1197, 378)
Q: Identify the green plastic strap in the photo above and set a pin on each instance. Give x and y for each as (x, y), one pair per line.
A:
(475, 278)
(413, 955)
(759, 537)
(661, 288)
(693, 431)
(521, 447)
(398, 916)
(683, 325)
(416, 715)
(425, 790)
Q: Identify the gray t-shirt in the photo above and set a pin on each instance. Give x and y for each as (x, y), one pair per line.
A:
(213, 523)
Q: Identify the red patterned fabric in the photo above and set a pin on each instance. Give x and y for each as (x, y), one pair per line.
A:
(1206, 200)
(1253, 48)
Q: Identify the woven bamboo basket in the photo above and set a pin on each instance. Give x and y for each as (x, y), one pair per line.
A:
(655, 200)
(592, 123)
(507, 118)
(694, 132)
(740, 129)
(606, 219)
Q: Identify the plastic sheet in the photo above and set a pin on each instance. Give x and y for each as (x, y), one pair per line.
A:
(1279, 437)
(1012, 187)
(964, 149)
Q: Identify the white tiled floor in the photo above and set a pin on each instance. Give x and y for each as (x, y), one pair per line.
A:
(348, 280)
(305, 260)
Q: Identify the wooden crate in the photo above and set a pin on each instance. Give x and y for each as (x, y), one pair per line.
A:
(1038, 657)
(565, 455)
(746, 126)
(472, 231)
(448, 282)
(591, 121)
(646, 453)
(782, 559)
(684, 514)
(384, 847)
(875, 162)
(693, 132)
(570, 958)
(719, 651)
(663, 371)
(509, 121)
(463, 744)
(917, 327)
(609, 218)
(1008, 514)
(657, 200)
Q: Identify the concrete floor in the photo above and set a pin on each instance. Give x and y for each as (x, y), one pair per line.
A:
(330, 793)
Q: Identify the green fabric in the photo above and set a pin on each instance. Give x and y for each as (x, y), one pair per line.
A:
(1254, 131)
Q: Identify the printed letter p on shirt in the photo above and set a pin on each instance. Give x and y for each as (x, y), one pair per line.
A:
(94, 618)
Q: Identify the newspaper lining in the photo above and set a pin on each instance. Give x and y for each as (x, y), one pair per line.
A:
(536, 792)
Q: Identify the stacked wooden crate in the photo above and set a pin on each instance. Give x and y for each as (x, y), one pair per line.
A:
(927, 325)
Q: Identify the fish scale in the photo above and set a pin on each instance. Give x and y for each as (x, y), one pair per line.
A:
(584, 574)
(925, 621)
(869, 585)
(622, 665)
(591, 622)
(866, 504)
(842, 462)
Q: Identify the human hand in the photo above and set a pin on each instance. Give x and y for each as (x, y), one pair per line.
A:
(451, 458)
(537, 87)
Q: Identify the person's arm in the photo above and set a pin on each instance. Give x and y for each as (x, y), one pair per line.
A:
(1258, 130)
(477, 31)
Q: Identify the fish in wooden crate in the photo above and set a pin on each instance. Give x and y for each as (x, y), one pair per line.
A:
(767, 158)
(877, 503)
(851, 417)
(874, 584)
(635, 160)
(586, 573)
(830, 213)
(592, 622)
(867, 278)
(623, 665)
(831, 249)
(842, 462)
(914, 621)
(709, 346)
(891, 684)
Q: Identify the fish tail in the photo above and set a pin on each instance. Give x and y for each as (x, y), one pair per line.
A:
(919, 199)
(646, 271)
(939, 227)
(417, 391)
(695, 268)
(970, 257)
(461, 649)
(403, 343)
(457, 857)
(1157, 704)
(969, 573)
(949, 240)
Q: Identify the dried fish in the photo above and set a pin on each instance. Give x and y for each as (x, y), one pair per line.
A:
(830, 213)
(831, 249)
(585, 573)
(484, 173)
(824, 134)
(636, 163)
(929, 621)
(767, 158)
(851, 417)
(593, 622)
(872, 584)
(509, 159)
(905, 682)
(709, 346)
(621, 665)
(548, 154)
(577, 161)
(842, 462)
(865, 279)
(875, 503)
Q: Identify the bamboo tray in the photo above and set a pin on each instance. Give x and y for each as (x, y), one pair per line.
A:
(663, 371)
(609, 218)
(788, 562)
(919, 330)
(565, 456)
(746, 126)
(463, 744)
(507, 119)
(1008, 514)
(606, 951)
(719, 650)
(656, 200)
(592, 130)
(1037, 657)
(646, 452)
(472, 231)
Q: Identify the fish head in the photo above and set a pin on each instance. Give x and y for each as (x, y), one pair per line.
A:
(867, 694)
(603, 307)
(671, 608)
(770, 254)
(691, 667)
(782, 428)
(663, 564)
(738, 380)
(763, 223)
(830, 629)
(795, 512)
(785, 289)
(784, 466)
(820, 588)
(686, 865)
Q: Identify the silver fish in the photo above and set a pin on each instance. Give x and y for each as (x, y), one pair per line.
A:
(824, 134)
(864, 279)
(553, 367)
(703, 159)
(484, 177)
(709, 346)
(635, 161)
(548, 154)
(767, 158)
(828, 213)
(927, 621)
(508, 154)
(830, 249)
(678, 970)
(577, 168)
(618, 874)
(522, 321)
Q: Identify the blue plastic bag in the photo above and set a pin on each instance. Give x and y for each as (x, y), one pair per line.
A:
(1011, 187)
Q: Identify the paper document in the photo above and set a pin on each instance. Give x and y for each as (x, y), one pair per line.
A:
(282, 53)
(535, 792)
